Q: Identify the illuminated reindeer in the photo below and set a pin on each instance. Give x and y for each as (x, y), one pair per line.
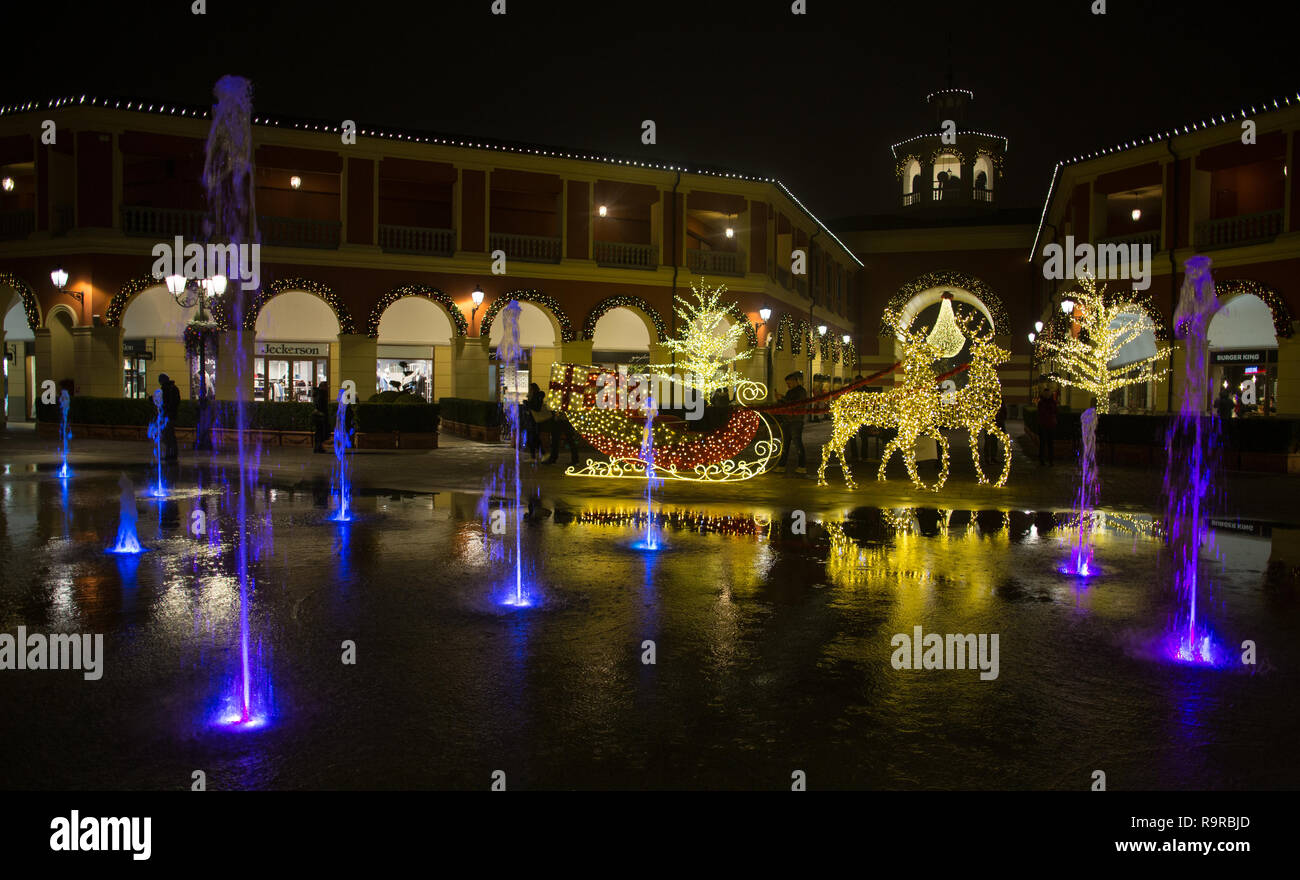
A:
(974, 409)
(912, 408)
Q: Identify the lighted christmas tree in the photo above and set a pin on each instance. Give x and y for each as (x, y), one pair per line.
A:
(708, 341)
(1086, 359)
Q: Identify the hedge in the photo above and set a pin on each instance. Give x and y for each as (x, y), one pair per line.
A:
(261, 415)
(1272, 434)
(486, 413)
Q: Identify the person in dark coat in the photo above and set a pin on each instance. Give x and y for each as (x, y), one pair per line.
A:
(533, 417)
(171, 405)
(562, 433)
(1047, 428)
(793, 423)
(320, 416)
(1225, 404)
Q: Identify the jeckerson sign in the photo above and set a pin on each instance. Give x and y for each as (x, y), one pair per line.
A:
(293, 349)
(1246, 356)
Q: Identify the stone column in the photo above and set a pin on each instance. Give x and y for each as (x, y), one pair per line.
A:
(1288, 376)
(229, 354)
(169, 357)
(471, 374)
(97, 361)
(358, 354)
(576, 352)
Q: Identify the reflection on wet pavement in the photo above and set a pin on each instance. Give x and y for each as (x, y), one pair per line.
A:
(772, 638)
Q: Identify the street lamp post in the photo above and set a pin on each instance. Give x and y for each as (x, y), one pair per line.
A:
(764, 314)
(477, 298)
(188, 293)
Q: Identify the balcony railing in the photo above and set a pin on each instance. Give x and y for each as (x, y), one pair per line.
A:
(1235, 231)
(297, 232)
(417, 240)
(1151, 237)
(912, 198)
(527, 248)
(983, 195)
(622, 255)
(146, 222)
(715, 262)
(17, 224)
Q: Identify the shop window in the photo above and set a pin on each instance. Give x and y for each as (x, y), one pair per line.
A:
(413, 376)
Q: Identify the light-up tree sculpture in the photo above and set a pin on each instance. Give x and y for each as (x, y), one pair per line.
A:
(707, 343)
(1087, 357)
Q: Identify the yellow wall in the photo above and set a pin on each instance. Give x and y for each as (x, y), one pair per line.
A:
(442, 355)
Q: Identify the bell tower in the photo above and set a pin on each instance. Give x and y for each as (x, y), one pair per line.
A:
(955, 167)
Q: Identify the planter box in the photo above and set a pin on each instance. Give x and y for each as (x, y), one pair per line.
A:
(481, 433)
(417, 440)
(226, 436)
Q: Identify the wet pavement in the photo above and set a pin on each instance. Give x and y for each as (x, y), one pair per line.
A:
(772, 648)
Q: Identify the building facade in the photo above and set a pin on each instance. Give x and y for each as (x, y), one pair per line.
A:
(1221, 187)
(371, 253)
(947, 235)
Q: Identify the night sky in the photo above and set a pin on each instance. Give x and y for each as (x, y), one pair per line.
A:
(814, 100)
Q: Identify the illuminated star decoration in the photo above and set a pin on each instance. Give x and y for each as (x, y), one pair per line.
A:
(1083, 360)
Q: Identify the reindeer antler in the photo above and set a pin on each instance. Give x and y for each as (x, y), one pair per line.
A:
(969, 324)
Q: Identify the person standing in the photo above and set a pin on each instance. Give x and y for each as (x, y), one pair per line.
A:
(538, 414)
(171, 404)
(1047, 428)
(792, 423)
(320, 416)
(562, 433)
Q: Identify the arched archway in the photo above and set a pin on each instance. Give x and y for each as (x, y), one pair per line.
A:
(983, 173)
(413, 349)
(543, 326)
(19, 353)
(622, 336)
(23, 292)
(648, 314)
(1243, 343)
(59, 322)
(927, 290)
(556, 313)
(300, 285)
(296, 343)
(947, 169)
(153, 339)
(154, 312)
(453, 312)
(129, 291)
(912, 180)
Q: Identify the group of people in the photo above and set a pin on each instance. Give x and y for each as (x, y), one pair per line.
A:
(536, 416)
